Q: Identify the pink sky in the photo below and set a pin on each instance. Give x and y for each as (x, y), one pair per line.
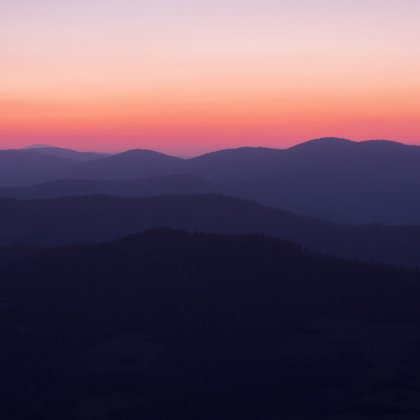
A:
(186, 77)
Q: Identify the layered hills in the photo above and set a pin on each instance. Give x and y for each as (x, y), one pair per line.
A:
(102, 218)
(141, 285)
(334, 179)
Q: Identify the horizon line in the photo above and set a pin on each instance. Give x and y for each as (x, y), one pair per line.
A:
(189, 156)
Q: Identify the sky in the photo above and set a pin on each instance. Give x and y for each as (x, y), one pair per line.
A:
(186, 77)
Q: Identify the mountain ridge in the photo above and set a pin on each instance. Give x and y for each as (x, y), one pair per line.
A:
(64, 153)
(99, 218)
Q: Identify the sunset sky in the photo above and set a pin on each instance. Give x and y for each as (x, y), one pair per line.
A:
(186, 77)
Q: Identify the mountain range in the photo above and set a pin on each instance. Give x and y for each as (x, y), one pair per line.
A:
(329, 178)
(142, 285)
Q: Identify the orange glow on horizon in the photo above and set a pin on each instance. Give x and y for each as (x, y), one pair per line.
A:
(191, 125)
(184, 77)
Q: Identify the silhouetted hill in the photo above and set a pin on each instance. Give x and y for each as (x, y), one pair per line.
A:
(235, 163)
(102, 218)
(170, 325)
(216, 166)
(65, 153)
(135, 164)
(17, 167)
(373, 181)
(130, 165)
(335, 150)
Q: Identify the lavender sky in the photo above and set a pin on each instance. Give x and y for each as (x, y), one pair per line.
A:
(187, 77)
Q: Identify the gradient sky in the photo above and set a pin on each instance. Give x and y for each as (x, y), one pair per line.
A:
(189, 76)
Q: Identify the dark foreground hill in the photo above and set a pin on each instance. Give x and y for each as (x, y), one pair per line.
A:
(170, 325)
(103, 218)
